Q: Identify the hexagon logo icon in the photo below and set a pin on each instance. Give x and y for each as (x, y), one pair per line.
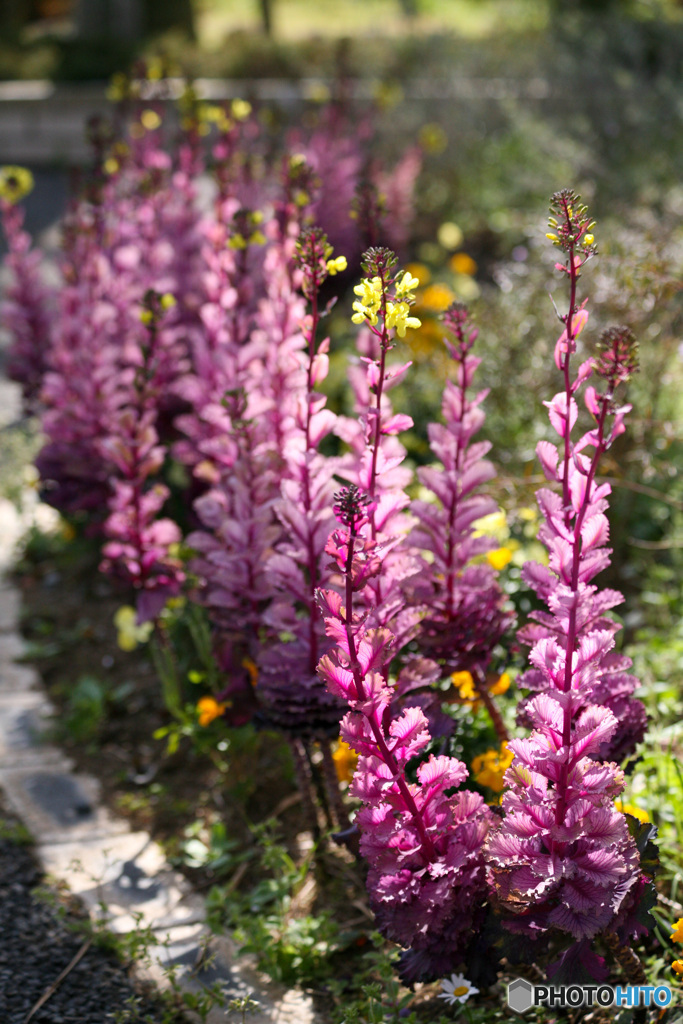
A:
(520, 995)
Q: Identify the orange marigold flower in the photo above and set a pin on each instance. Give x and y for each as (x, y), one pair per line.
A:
(437, 297)
(461, 263)
(208, 709)
(501, 685)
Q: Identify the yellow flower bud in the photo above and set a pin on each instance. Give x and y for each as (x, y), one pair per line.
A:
(15, 183)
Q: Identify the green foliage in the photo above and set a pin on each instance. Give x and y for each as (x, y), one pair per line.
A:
(291, 944)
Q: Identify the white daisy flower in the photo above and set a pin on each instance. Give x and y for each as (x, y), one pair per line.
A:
(456, 989)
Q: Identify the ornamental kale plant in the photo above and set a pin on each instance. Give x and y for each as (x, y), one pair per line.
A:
(424, 844)
(464, 614)
(140, 544)
(564, 862)
(563, 866)
(26, 310)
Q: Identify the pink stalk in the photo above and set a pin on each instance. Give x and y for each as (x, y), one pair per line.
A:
(412, 833)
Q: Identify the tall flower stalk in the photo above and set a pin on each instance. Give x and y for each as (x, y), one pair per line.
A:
(375, 461)
(288, 683)
(426, 880)
(465, 613)
(140, 544)
(563, 860)
(27, 306)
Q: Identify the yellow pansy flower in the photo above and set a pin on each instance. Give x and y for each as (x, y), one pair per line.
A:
(632, 809)
(499, 558)
(489, 768)
(209, 709)
(677, 966)
(464, 683)
(677, 933)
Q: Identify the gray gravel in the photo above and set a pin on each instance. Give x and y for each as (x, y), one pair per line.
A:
(38, 940)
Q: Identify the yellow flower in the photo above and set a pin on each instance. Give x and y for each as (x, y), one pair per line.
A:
(208, 709)
(677, 966)
(420, 271)
(241, 109)
(129, 633)
(450, 235)
(406, 285)
(337, 265)
(677, 933)
(150, 120)
(167, 301)
(437, 297)
(488, 768)
(399, 318)
(464, 683)
(15, 183)
(362, 313)
(461, 263)
(370, 292)
(632, 809)
(110, 165)
(499, 558)
(345, 760)
(501, 685)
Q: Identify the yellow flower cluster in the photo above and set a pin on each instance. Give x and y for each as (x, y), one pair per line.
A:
(488, 768)
(337, 265)
(677, 936)
(129, 634)
(468, 691)
(15, 183)
(635, 812)
(367, 306)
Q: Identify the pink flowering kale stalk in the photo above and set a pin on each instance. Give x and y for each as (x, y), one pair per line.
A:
(27, 306)
(465, 613)
(374, 463)
(424, 843)
(564, 865)
(289, 688)
(140, 544)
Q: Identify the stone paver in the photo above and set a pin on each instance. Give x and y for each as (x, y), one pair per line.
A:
(24, 720)
(126, 878)
(9, 610)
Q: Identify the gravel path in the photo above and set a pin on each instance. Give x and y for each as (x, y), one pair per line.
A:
(40, 935)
